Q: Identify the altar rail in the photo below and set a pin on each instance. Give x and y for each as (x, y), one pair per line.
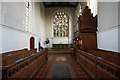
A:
(25, 67)
(97, 67)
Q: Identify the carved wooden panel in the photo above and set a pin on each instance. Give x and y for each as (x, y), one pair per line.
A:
(88, 23)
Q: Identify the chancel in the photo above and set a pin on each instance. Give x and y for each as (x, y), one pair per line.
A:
(60, 40)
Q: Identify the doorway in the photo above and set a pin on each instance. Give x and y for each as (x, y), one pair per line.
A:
(32, 43)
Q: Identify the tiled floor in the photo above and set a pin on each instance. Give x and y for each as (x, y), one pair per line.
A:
(76, 70)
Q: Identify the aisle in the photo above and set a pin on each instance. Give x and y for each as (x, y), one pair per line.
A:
(61, 66)
(60, 60)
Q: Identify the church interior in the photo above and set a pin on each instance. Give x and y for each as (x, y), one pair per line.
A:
(60, 40)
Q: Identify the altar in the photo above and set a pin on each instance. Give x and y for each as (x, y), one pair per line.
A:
(60, 46)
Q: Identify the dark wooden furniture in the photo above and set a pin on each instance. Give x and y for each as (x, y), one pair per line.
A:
(113, 57)
(26, 68)
(86, 41)
(88, 23)
(98, 68)
(9, 58)
(99, 64)
(87, 37)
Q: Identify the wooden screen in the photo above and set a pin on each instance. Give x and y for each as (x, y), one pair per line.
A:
(88, 23)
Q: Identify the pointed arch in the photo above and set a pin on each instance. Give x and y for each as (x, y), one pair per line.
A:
(60, 24)
(32, 42)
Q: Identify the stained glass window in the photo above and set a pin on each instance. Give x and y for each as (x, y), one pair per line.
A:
(60, 24)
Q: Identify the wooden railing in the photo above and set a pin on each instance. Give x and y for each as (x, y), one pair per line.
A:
(25, 68)
(98, 67)
(9, 58)
(13, 52)
(110, 56)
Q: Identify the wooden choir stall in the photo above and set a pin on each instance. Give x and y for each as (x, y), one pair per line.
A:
(99, 64)
(22, 63)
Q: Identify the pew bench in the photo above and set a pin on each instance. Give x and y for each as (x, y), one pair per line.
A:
(9, 58)
(26, 67)
(112, 57)
(97, 67)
